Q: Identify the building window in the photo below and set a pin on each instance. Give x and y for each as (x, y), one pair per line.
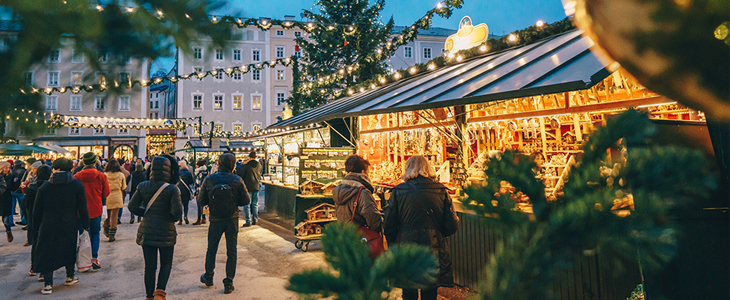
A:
(255, 127)
(236, 54)
(218, 54)
(103, 58)
(255, 55)
(297, 51)
(218, 128)
(280, 33)
(279, 74)
(198, 102)
(236, 75)
(280, 98)
(426, 52)
(73, 131)
(124, 103)
(155, 104)
(407, 52)
(75, 103)
(99, 131)
(78, 57)
(123, 131)
(124, 78)
(29, 78)
(52, 131)
(52, 102)
(237, 102)
(100, 78)
(297, 33)
(219, 75)
(77, 78)
(154, 115)
(53, 78)
(255, 102)
(236, 34)
(279, 52)
(198, 53)
(236, 128)
(55, 56)
(99, 104)
(198, 73)
(218, 102)
(256, 75)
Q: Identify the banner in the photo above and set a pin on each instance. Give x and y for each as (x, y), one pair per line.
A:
(106, 122)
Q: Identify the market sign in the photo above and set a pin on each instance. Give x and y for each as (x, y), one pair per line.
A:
(84, 121)
(467, 37)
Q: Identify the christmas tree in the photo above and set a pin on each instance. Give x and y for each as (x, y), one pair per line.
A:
(350, 34)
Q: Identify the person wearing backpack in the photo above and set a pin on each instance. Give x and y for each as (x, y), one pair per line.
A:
(223, 192)
(158, 201)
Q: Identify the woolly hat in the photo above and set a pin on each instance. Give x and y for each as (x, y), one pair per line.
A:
(36, 164)
(89, 159)
(31, 160)
(3, 164)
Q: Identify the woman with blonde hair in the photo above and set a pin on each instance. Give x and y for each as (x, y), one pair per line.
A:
(115, 201)
(420, 212)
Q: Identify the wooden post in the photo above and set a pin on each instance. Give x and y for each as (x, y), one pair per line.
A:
(543, 135)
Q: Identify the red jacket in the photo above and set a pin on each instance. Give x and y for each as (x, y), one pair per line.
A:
(96, 187)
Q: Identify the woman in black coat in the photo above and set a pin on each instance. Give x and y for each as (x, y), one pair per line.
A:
(42, 175)
(137, 177)
(185, 186)
(6, 198)
(420, 212)
(156, 232)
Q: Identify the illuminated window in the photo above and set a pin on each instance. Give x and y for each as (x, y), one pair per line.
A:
(237, 128)
(218, 102)
(237, 102)
(255, 127)
(197, 71)
(77, 78)
(198, 102)
(73, 131)
(279, 74)
(218, 128)
(100, 78)
(123, 131)
(255, 102)
(99, 131)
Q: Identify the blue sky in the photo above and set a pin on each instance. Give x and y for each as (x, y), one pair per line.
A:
(502, 16)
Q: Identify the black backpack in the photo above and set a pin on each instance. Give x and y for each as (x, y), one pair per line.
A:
(222, 205)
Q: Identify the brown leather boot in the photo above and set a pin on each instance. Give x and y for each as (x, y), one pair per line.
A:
(112, 234)
(131, 221)
(106, 228)
(159, 295)
(197, 222)
(10, 236)
(179, 223)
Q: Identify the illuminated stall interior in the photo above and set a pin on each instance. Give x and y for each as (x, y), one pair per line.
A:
(160, 141)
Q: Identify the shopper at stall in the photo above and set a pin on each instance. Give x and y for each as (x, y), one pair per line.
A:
(250, 172)
(115, 200)
(356, 186)
(201, 172)
(17, 178)
(96, 187)
(158, 200)
(420, 212)
(223, 192)
(6, 199)
(59, 208)
(185, 185)
(137, 177)
(43, 175)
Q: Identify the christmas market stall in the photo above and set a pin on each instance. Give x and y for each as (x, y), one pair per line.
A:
(196, 150)
(540, 100)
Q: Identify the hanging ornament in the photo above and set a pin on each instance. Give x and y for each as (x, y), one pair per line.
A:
(345, 42)
(296, 48)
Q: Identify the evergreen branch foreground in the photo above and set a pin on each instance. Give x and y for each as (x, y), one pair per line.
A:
(585, 220)
(354, 275)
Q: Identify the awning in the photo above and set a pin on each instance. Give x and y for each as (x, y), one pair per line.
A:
(204, 145)
(557, 64)
(59, 150)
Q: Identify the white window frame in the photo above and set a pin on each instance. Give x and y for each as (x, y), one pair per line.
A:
(297, 53)
(74, 131)
(120, 77)
(223, 101)
(196, 70)
(297, 34)
(76, 58)
(196, 55)
(98, 98)
(240, 54)
(283, 51)
(219, 52)
(51, 131)
(51, 99)
(129, 102)
(97, 75)
(254, 74)
(233, 101)
(280, 33)
(261, 100)
(233, 127)
(218, 77)
(32, 77)
(221, 124)
(73, 77)
(430, 53)
(253, 125)
(123, 131)
(255, 55)
(202, 101)
(237, 76)
(80, 102)
(408, 52)
(58, 79)
(51, 54)
(99, 131)
(276, 98)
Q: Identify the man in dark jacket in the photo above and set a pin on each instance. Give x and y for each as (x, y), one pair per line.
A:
(251, 175)
(223, 192)
(43, 174)
(185, 184)
(138, 176)
(60, 205)
(17, 177)
(5, 199)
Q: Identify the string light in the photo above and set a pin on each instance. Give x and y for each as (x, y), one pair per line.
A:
(540, 23)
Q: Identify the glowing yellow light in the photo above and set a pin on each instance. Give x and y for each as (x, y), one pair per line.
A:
(99, 7)
(159, 13)
(372, 86)
(431, 66)
(512, 38)
(382, 80)
(350, 28)
(397, 75)
(439, 5)
(539, 23)
(459, 58)
(483, 48)
(130, 9)
(349, 92)
(330, 27)
(413, 70)
(450, 55)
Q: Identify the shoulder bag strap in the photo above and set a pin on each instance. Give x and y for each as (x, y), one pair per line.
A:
(354, 207)
(186, 185)
(157, 194)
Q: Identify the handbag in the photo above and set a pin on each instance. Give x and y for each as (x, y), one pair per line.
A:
(154, 197)
(373, 238)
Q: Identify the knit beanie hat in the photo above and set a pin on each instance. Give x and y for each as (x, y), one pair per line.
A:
(3, 164)
(31, 160)
(36, 164)
(89, 159)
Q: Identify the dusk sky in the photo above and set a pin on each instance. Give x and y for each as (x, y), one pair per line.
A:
(502, 16)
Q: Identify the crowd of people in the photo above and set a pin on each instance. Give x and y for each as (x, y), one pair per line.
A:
(61, 199)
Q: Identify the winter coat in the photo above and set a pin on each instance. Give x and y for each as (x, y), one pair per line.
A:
(344, 196)
(185, 188)
(97, 187)
(117, 184)
(227, 163)
(6, 197)
(200, 174)
(29, 203)
(59, 205)
(421, 212)
(4, 206)
(157, 228)
(17, 175)
(137, 178)
(250, 172)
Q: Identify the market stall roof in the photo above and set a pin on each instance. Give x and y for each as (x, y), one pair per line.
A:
(12, 149)
(55, 148)
(557, 64)
(242, 145)
(204, 145)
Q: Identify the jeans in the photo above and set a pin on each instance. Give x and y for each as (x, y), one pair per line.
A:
(252, 208)
(426, 294)
(18, 197)
(215, 231)
(94, 229)
(186, 207)
(6, 222)
(150, 268)
(201, 216)
(48, 276)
